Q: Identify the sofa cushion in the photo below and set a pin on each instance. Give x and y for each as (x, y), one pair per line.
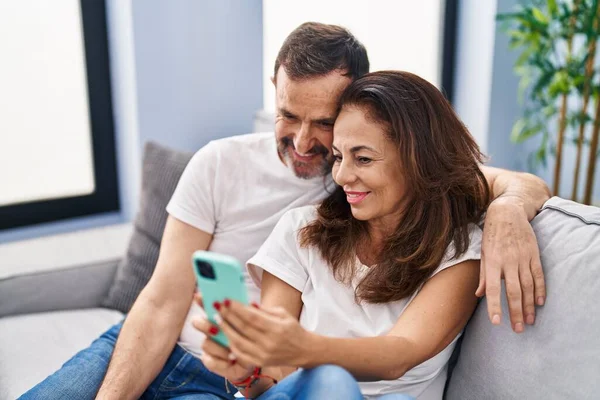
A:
(36, 273)
(34, 346)
(162, 168)
(86, 286)
(559, 356)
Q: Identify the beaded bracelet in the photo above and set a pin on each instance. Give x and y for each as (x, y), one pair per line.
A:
(244, 385)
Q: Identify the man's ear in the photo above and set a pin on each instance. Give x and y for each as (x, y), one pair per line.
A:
(273, 81)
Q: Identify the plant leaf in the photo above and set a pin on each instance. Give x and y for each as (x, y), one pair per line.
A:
(517, 129)
(539, 15)
(552, 8)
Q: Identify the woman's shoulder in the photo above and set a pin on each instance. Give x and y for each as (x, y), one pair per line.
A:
(474, 247)
(472, 252)
(475, 235)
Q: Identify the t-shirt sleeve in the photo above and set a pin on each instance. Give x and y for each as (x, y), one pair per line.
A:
(473, 251)
(193, 199)
(281, 254)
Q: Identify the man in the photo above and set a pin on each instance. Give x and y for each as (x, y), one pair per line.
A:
(228, 200)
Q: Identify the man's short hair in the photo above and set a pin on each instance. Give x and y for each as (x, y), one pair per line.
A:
(315, 49)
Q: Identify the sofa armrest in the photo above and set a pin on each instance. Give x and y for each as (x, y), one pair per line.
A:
(64, 289)
(67, 271)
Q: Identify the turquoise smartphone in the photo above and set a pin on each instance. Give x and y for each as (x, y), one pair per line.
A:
(218, 277)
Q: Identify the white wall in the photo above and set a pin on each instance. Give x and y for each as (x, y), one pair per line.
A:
(473, 71)
(125, 103)
(485, 84)
(398, 34)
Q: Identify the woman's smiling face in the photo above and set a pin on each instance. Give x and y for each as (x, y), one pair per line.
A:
(368, 167)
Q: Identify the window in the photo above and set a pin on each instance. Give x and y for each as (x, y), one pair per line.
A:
(415, 36)
(57, 150)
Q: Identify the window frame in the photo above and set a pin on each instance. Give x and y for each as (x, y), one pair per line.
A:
(450, 30)
(105, 197)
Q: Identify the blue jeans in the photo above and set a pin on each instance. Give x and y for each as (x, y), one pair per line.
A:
(184, 377)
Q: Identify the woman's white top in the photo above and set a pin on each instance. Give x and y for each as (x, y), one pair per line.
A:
(330, 308)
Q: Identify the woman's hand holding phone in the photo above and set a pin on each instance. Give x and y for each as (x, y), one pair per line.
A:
(216, 358)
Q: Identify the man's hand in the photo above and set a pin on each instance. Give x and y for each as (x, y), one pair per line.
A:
(510, 251)
(509, 247)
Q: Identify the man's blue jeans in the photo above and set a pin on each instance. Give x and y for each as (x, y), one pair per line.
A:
(184, 377)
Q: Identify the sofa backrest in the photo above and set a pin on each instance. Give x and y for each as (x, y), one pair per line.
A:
(161, 169)
(559, 356)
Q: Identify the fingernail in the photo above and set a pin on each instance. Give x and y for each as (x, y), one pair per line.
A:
(530, 319)
(254, 305)
(226, 302)
(496, 319)
(540, 301)
(519, 327)
(232, 358)
(213, 330)
(217, 305)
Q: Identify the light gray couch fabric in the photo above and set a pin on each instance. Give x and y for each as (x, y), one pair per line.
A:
(65, 271)
(162, 168)
(558, 357)
(86, 287)
(34, 346)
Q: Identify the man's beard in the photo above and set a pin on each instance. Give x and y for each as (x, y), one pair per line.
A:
(305, 170)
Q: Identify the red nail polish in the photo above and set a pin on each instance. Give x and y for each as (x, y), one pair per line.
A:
(217, 305)
(254, 305)
(232, 362)
(227, 302)
(213, 330)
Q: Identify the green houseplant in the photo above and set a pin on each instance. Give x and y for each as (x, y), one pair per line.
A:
(559, 82)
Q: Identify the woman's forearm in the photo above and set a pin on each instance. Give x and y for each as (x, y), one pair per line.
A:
(367, 359)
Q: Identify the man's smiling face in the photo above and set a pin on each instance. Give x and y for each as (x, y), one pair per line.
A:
(306, 112)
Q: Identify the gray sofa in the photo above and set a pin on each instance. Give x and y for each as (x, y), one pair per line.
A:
(51, 307)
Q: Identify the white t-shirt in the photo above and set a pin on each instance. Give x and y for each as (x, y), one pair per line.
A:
(236, 189)
(330, 308)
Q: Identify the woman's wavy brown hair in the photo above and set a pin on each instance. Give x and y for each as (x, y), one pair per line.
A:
(440, 164)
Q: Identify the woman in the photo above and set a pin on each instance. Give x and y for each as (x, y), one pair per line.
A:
(380, 278)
